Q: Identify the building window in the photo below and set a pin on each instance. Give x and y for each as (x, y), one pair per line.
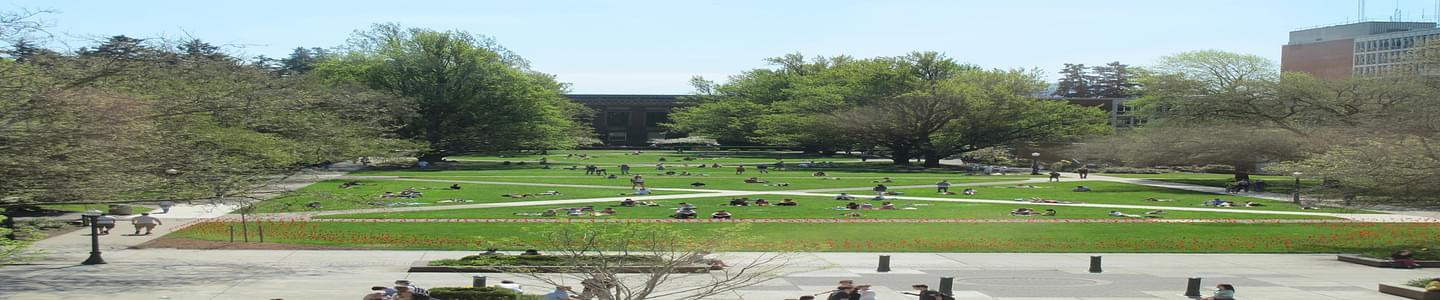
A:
(616, 138)
(655, 118)
(617, 119)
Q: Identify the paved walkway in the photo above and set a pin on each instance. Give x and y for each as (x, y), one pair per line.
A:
(314, 274)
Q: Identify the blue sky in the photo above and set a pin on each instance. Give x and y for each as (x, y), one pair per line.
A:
(655, 46)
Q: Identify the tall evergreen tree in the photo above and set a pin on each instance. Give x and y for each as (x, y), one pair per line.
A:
(1074, 82)
(1113, 80)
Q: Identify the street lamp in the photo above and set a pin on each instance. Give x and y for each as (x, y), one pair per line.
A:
(1297, 188)
(1035, 163)
(91, 217)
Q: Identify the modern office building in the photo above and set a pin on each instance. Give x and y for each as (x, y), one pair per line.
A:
(1357, 49)
(634, 120)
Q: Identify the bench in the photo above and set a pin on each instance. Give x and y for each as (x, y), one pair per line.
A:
(1382, 263)
(1409, 292)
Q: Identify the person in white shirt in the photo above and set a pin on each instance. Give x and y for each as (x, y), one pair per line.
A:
(145, 221)
(165, 206)
(105, 223)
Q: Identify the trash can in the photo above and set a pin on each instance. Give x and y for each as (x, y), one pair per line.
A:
(121, 210)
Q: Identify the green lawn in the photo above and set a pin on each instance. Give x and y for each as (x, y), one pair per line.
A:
(1273, 184)
(713, 178)
(616, 157)
(810, 207)
(1112, 193)
(891, 237)
(367, 195)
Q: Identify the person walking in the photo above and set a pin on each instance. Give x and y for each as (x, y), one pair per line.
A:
(105, 223)
(880, 191)
(942, 187)
(624, 169)
(1054, 176)
(145, 221)
(740, 169)
(165, 206)
(1084, 172)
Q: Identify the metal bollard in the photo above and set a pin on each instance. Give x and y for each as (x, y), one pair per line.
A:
(1192, 289)
(478, 281)
(947, 285)
(884, 264)
(1095, 264)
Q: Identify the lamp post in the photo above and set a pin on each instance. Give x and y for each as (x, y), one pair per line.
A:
(1297, 188)
(1035, 163)
(91, 217)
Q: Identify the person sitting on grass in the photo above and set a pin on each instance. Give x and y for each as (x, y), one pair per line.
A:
(685, 213)
(969, 191)
(754, 180)
(1156, 212)
(1223, 291)
(642, 191)
(740, 202)
(1404, 259)
(388, 195)
(1216, 202)
(943, 187)
(1049, 212)
(574, 212)
(762, 202)
(844, 196)
(455, 186)
(787, 202)
(883, 180)
(1253, 204)
(549, 213)
(852, 215)
(608, 211)
(697, 184)
(866, 205)
(819, 174)
(1081, 189)
(721, 215)
(684, 205)
(349, 184)
(887, 206)
(1023, 211)
(852, 206)
(628, 202)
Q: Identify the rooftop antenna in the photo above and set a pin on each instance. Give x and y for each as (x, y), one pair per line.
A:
(1362, 12)
(1398, 16)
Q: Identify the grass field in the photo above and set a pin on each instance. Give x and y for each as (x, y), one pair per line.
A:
(486, 179)
(911, 237)
(368, 195)
(1273, 184)
(811, 208)
(1112, 193)
(616, 157)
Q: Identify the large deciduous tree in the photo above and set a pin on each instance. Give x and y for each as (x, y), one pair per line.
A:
(466, 92)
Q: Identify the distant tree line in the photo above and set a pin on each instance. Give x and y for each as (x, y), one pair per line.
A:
(1112, 80)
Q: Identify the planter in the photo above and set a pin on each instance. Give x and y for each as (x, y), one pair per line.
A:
(1409, 292)
(1382, 263)
(425, 267)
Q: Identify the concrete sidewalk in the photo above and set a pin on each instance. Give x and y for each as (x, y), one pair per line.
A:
(297, 274)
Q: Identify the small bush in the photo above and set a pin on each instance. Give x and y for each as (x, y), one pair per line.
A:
(1419, 283)
(478, 293)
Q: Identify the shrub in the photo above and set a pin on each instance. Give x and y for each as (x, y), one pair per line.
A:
(478, 293)
(1419, 283)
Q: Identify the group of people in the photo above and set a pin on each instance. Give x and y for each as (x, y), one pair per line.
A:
(848, 290)
(745, 201)
(408, 193)
(104, 223)
(402, 290)
(687, 211)
(1026, 211)
(1217, 202)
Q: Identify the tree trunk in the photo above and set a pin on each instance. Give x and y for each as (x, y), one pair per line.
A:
(901, 158)
(9, 223)
(932, 160)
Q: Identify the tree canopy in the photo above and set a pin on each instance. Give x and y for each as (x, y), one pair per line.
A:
(922, 104)
(465, 92)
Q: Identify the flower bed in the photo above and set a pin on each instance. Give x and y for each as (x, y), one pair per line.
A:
(1415, 289)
